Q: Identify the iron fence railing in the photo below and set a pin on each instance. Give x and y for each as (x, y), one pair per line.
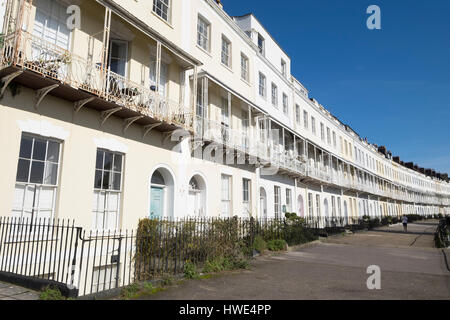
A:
(95, 261)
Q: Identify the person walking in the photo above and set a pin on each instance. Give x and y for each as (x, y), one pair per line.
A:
(405, 223)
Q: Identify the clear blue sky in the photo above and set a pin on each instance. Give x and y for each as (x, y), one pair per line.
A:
(390, 85)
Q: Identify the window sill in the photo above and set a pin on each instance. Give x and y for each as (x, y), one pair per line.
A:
(166, 22)
(246, 82)
(227, 67)
(204, 51)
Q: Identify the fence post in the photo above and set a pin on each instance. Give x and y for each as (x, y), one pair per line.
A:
(252, 234)
(74, 260)
(118, 260)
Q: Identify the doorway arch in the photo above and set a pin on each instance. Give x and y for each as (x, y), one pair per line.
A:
(263, 203)
(325, 205)
(162, 187)
(345, 212)
(197, 196)
(300, 207)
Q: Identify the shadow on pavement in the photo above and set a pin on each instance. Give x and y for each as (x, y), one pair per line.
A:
(402, 232)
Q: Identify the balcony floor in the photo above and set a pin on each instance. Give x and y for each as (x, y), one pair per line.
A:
(38, 81)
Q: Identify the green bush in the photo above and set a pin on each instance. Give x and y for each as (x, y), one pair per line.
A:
(214, 265)
(259, 244)
(50, 293)
(220, 264)
(277, 245)
(190, 271)
(130, 291)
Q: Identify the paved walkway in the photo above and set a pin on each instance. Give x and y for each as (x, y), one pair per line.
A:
(336, 269)
(12, 292)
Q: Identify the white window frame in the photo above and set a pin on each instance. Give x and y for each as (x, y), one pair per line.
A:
(246, 196)
(283, 68)
(245, 66)
(203, 33)
(285, 104)
(305, 119)
(38, 187)
(262, 85)
(274, 95)
(289, 200)
(277, 202)
(109, 191)
(226, 199)
(159, 10)
(226, 52)
(297, 114)
(262, 47)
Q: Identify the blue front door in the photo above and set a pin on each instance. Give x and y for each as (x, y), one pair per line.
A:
(156, 203)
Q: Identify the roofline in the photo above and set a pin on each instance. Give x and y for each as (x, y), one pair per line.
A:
(265, 29)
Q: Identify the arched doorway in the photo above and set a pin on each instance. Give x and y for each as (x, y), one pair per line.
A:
(161, 194)
(197, 197)
(345, 212)
(300, 207)
(325, 205)
(263, 203)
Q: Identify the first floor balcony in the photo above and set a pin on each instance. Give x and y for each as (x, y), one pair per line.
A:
(103, 69)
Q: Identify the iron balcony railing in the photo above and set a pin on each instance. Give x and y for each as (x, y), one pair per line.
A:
(22, 49)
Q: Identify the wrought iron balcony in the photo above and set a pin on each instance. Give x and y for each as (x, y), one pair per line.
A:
(24, 52)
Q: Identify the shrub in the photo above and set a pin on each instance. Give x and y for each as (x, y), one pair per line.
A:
(277, 245)
(259, 244)
(214, 265)
(130, 291)
(373, 223)
(190, 271)
(220, 264)
(50, 293)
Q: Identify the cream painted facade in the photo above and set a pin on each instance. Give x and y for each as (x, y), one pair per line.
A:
(138, 75)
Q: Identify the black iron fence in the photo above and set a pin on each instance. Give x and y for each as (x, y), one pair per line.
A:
(92, 262)
(442, 234)
(39, 248)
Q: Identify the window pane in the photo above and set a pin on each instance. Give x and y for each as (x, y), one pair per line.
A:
(99, 161)
(53, 151)
(37, 172)
(98, 179)
(117, 163)
(116, 181)
(106, 180)
(51, 173)
(108, 161)
(22, 170)
(39, 149)
(25, 147)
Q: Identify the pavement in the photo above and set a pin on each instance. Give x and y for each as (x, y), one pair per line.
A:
(335, 268)
(13, 292)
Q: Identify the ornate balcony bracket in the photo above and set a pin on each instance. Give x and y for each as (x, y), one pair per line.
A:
(149, 128)
(81, 103)
(197, 143)
(106, 114)
(128, 122)
(7, 80)
(41, 93)
(166, 136)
